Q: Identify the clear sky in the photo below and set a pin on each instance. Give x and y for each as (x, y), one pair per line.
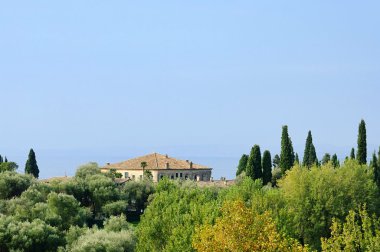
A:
(203, 80)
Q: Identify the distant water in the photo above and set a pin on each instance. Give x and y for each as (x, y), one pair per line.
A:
(61, 163)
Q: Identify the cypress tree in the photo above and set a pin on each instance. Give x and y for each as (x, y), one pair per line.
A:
(335, 161)
(306, 153)
(287, 153)
(1, 159)
(297, 160)
(326, 158)
(267, 167)
(361, 155)
(352, 154)
(276, 161)
(5, 160)
(313, 156)
(376, 170)
(242, 164)
(31, 166)
(254, 169)
(310, 156)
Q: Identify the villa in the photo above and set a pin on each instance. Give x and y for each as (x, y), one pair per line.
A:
(160, 166)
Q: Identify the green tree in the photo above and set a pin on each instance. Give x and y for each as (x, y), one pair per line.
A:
(315, 196)
(360, 232)
(31, 166)
(287, 153)
(13, 184)
(66, 209)
(87, 170)
(276, 161)
(1, 159)
(241, 229)
(34, 236)
(352, 154)
(376, 169)
(297, 159)
(362, 144)
(8, 166)
(335, 161)
(94, 239)
(242, 164)
(185, 207)
(326, 158)
(310, 156)
(143, 165)
(254, 169)
(267, 167)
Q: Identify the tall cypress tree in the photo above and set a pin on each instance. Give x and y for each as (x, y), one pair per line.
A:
(254, 169)
(313, 156)
(376, 169)
(335, 161)
(306, 153)
(287, 153)
(1, 159)
(267, 167)
(31, 166)
(242, 164)
(310, 156)
(361, 155)
(352, 154)
(5, 159)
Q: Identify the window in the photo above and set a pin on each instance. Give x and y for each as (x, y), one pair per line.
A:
(133, 177)
(180, 174)
(140, 177)
(126, 175)
(176, 175)
(172, 176)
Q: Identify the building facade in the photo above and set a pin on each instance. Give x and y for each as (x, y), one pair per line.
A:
(160, 166)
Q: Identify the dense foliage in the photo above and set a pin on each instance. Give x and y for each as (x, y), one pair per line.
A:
(326, 206)
(83, 213)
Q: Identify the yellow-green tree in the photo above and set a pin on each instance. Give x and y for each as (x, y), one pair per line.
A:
(360, 232)
(242, 229)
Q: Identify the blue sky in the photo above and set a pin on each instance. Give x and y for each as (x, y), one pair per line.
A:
(108, 80)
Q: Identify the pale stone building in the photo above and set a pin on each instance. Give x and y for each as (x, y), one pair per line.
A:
(160, 166)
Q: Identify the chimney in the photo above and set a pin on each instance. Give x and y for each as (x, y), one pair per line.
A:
(191, 165)
(187, 161)
(108, 163)
(166, 156)
(167, 165)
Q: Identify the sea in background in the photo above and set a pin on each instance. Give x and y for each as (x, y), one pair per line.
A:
(222, 159)
(57, 163)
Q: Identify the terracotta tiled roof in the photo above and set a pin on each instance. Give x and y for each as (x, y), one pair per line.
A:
(155, 161)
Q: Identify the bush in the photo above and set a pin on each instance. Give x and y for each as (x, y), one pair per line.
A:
(13, 184)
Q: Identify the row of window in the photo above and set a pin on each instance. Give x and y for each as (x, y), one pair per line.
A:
(180, 176)
(126, 175)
